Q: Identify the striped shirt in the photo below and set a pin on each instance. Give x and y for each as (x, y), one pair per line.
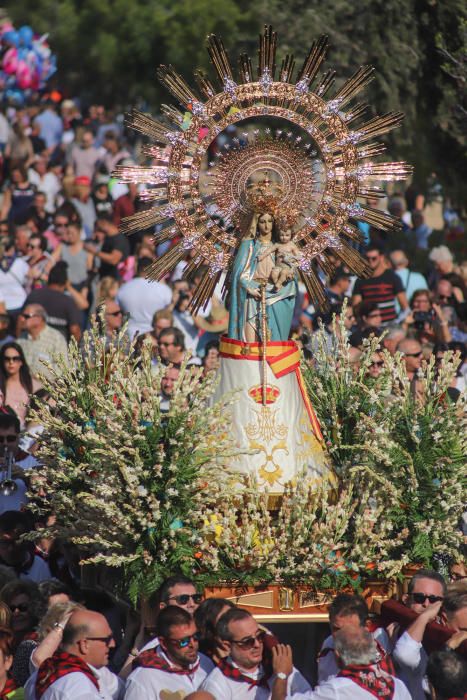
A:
(381, 290)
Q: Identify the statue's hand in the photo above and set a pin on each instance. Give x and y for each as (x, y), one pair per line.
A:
(255, 293)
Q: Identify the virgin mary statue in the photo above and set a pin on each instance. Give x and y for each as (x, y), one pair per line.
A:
(252, 268)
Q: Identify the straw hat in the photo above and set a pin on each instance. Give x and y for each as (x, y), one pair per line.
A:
(216, 322)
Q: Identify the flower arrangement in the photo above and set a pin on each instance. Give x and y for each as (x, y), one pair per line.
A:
(408, 438)
(150, 494)
(126, 482)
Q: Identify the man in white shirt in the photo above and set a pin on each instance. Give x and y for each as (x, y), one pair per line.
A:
(426, 593)
(141, 298)
(173, 668)
(242, 675)
(347, 610)
(360, 678)
(77, 671)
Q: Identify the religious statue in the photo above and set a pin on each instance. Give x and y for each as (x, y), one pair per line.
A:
(263, 259)
(276, 202)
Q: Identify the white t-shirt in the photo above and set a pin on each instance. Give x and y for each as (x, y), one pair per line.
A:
(346, 689)
(154, 684)
(12, 284)
(226, 688)
(140, 299)
(327, 664)
(76, 686)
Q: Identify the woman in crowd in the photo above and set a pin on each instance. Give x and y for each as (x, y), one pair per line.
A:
(206, 617)
(426, 319)
(8, 686)
(49, 635)
(27, 607)
(16, 382)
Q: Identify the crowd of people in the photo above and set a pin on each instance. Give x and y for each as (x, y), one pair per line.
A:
(63, 261)
(59, 641)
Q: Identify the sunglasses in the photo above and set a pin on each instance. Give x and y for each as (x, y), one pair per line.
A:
(421, 597)
(413, 354)
(29, 315)
(21, 607)
(12, 358)
(377, 364)
(184, 598)
(184, 641)
(8, 438)
(107, 640)
(249, 642)
(444, 296)
(32, 247)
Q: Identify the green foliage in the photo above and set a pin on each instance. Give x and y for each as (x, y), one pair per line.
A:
(109, 51)
(411, 444)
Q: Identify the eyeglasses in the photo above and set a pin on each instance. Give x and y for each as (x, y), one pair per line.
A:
(184, 641)
(28, 315)
(57, 225)
(377, 364)
(421, 597)
(106, 640)
(166, 345)
(21, 607)
(32, 247)
(444, 296)
(12, 358)
(114, 313)
(8, 438)
(249, 642)
(413, 354)
(184, 598)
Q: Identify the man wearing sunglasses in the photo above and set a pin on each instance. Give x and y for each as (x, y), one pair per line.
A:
(412, 356)
(242, 675)
(383, 287)
(78, 670)
(173, 668)
(178, 591)
(40, 342)
(427, 590)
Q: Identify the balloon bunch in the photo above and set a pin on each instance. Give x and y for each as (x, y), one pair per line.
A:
(26, 62)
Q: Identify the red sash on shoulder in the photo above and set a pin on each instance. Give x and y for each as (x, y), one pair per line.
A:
(9, 687)
(58, 666)
(372, 679)
(151, 659)
(235, 674)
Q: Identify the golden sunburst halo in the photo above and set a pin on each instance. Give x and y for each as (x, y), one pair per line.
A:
(329, 134)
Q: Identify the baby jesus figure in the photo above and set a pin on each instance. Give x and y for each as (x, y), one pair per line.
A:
(286, 260)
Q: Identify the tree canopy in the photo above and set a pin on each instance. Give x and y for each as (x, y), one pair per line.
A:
(108, 51)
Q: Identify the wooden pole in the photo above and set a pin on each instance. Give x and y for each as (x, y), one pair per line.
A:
(264, 339)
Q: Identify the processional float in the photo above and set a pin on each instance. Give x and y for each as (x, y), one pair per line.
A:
(296, 169)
